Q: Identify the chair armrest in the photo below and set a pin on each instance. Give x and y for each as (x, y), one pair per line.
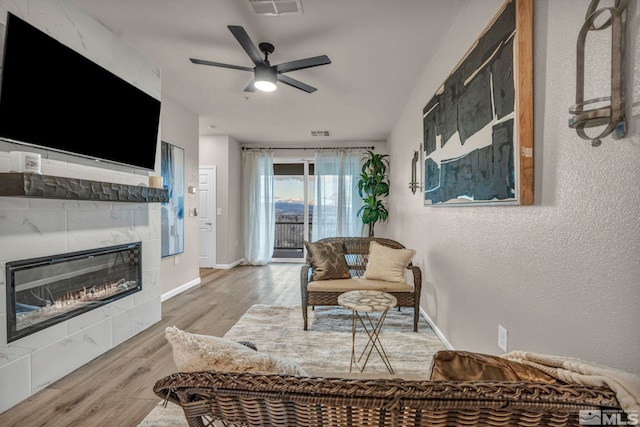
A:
(305, 275)
(417, 279)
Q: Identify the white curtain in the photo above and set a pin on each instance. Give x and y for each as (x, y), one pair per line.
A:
(259, 216)
(336, 199)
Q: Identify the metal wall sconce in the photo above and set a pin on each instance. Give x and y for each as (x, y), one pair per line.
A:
(606, 111)
(415, 184)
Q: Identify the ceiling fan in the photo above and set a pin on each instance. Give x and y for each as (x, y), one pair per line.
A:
(265, 74)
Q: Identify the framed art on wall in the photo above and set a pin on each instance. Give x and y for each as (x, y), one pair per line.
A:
(478, 127)
(172, 212)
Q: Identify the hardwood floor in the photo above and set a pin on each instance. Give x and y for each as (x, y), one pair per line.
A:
(115, 389)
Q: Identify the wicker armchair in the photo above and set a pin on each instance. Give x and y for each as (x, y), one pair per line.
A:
(357, 254)
(248, 399)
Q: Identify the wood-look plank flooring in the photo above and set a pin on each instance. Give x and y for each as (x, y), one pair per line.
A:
(115, 389)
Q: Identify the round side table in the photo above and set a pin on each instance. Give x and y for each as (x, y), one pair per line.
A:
(368, 302)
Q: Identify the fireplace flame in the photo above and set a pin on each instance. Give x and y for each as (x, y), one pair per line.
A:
(73, 300)
(94, 293)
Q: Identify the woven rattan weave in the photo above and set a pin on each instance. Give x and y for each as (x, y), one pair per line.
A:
(357, 255)
(247, 399)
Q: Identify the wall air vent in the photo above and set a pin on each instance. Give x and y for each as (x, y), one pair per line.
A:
(320, 133)
(276, 7)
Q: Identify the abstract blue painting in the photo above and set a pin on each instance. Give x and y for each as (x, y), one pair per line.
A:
(172, 212)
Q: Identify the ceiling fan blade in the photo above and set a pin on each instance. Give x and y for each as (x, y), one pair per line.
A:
(303, 63)
(250, 87)
(243, 38)
(296, 83)
(218, 64)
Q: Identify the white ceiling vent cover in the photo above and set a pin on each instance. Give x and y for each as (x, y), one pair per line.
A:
(276, 7)
(320, 133)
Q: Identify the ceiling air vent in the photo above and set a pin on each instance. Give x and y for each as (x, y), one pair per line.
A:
(320, 133)
(276, 7)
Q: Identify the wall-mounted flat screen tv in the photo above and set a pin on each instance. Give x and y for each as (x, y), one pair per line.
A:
(54, 98)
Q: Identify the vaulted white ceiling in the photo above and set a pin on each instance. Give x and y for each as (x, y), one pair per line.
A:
(378, 49)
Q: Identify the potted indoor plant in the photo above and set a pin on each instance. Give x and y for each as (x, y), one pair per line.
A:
(373, 188)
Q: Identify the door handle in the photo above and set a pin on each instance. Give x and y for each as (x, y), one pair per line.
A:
(208, 223)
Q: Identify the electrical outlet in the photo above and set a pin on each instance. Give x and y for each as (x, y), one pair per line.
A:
(502, 338)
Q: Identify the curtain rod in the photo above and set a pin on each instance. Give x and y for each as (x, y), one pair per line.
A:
(307, 148)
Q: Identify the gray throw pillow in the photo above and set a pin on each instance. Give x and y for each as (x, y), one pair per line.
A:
(327, 260)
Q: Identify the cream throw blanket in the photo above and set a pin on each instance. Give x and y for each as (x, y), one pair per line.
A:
(625, 385)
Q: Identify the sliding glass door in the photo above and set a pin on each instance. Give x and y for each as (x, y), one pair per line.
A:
(293, 192)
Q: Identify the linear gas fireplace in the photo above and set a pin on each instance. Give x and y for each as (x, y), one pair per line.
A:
(44, 291)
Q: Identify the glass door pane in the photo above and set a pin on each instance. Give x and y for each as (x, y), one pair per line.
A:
(291, 225)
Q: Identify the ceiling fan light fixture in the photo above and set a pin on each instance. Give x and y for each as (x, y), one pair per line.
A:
(266, 76)
(265, 86)
(265, 79)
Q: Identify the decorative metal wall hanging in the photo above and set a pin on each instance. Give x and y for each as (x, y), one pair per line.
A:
(417, 159)
(605, 111)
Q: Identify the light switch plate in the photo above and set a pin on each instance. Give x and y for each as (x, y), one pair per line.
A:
(502, 338)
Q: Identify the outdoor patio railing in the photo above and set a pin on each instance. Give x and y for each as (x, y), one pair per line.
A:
(289, 235)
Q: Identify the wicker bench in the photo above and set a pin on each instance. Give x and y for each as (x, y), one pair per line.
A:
(248, 399)
(356, 255)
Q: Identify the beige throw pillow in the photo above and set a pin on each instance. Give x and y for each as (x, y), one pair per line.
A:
(387, 263)
(193, 353)
(327, 261)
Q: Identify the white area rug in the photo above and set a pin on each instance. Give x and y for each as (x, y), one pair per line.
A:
(326, 346)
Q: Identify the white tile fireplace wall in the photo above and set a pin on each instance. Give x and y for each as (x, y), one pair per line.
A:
(32, 227)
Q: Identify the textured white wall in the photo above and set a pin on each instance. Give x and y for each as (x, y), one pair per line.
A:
(180, 128)
(236, 243)
(214, 150)
(563, 276)
(224, 152)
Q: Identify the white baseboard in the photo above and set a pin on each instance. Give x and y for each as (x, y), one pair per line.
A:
(180, 289)
(436, 330)
(228, 266)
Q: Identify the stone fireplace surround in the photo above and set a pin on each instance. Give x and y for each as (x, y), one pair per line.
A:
(33, 227)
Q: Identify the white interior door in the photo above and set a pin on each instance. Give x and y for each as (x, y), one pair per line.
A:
(207, 216)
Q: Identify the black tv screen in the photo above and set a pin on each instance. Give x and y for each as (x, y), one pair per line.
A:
(55, 98)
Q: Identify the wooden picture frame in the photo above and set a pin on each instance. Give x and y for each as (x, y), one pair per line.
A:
(478, 126)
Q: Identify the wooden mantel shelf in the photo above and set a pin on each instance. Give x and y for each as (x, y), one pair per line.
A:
(18, 184)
